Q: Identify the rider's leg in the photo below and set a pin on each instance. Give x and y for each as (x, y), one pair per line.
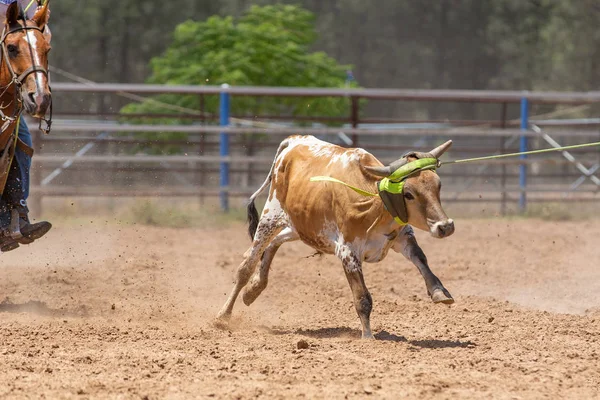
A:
(30, 231)
(16, 193)
(11, 196)
(24, 160)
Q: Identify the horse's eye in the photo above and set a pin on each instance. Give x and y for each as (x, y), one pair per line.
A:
(409, 196)
(12, 50)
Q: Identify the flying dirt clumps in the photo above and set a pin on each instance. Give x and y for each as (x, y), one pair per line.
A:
(302, 344)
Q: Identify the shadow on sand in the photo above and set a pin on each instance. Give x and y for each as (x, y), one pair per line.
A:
(349, 333)
(442, 344)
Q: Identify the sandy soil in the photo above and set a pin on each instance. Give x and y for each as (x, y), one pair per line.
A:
(99, 310)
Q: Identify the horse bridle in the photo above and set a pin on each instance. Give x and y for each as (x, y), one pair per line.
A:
(18, 80)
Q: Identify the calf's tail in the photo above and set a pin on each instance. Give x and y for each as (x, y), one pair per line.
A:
(251, 211)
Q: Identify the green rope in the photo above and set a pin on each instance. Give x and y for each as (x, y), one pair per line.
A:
(29, 5)
(576, 146)
(330, 179)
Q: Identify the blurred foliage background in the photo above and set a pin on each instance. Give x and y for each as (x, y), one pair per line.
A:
(454, 44)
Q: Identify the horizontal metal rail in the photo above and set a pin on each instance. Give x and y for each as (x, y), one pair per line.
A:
(43, 158)
(454, 132)
(125, 140)
(192, 168)
(113, 116)
(95, 191)
(493, 96)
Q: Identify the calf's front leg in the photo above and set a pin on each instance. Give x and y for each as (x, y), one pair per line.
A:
(409, 247)
(362, 298)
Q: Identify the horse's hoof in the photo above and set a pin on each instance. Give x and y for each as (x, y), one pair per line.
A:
(442, 296)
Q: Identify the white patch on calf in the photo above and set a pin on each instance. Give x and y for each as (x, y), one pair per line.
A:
(349, 253)
(319, 148)
(433, 229)
(272, 207)
(342, 250)
(274, 215)
(292, 143)
(346, 158)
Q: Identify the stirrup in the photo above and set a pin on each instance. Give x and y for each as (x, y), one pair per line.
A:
(15, 225)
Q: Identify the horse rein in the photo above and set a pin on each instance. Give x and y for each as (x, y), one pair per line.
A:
(18, 80)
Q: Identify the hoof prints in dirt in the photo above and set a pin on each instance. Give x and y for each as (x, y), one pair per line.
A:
(40, 308)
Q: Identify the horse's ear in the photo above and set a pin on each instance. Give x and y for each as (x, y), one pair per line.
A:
(42, 14)
(12, 14)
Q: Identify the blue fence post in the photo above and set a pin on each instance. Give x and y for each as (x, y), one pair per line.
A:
(224, 147)
(523, 147)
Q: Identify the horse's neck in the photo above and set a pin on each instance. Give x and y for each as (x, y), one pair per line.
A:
(8, 101)
(7, 92)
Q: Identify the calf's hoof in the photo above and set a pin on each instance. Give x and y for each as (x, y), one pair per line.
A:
(250, 294)
(367, 334)
(442, 296)
(221, 323)
(222, 318)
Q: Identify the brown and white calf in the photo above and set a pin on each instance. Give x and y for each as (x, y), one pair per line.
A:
(333, 219)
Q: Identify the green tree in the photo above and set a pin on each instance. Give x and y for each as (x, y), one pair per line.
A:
(266, 46)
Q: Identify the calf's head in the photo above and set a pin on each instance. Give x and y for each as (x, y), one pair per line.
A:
(410, 191)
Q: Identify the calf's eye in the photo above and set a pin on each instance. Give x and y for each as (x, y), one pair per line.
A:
(409, 196)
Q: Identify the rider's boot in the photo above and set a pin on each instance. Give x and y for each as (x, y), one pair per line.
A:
(29, 232)
(7, 244)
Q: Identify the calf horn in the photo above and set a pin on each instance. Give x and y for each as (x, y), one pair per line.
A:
(390, 169)
(441, 149)
(387, 170)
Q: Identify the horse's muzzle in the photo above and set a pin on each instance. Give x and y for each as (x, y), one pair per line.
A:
(37, 104)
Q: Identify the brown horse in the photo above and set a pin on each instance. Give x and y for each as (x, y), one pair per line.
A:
(24, 47)
(23, 77)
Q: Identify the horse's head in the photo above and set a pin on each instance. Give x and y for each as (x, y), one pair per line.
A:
(25, 57)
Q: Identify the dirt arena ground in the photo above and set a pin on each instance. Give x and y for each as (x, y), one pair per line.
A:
(102, 310)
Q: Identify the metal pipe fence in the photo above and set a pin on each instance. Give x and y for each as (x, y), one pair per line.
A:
(197, 169)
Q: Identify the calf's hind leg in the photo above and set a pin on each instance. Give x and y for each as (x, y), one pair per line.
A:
(261, 277)
(266, 231)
